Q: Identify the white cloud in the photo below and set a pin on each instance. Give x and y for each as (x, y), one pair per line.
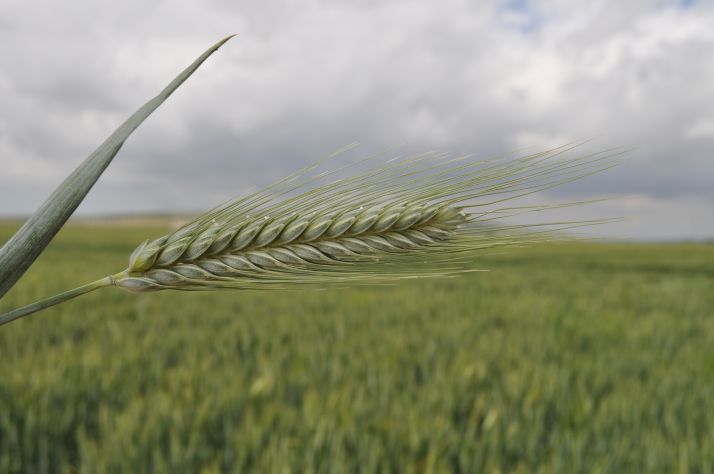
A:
(702, 128)
(304, 78)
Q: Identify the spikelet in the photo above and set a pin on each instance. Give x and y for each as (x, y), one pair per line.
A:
(421, 216)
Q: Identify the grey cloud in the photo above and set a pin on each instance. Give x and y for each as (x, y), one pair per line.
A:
(305, 78)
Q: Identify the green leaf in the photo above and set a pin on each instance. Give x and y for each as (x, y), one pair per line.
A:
(27, 244)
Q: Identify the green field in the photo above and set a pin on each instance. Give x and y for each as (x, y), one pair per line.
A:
(563, 358)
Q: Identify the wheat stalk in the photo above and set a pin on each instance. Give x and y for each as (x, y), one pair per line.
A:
(426, 215)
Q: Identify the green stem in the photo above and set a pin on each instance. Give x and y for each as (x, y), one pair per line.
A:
(53, 300)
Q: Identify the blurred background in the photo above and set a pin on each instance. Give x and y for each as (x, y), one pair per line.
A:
(305, 78)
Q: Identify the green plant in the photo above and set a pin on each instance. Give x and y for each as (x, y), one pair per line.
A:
(410, 217)
(566, 357)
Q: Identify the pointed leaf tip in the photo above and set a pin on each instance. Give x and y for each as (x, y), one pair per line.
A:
(27, 244)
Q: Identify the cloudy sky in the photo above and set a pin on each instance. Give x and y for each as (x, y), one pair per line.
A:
(306, 77)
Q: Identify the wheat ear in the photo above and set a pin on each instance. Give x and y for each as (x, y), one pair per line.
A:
(426, 215)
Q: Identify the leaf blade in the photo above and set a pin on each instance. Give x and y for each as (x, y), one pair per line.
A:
(18, 254)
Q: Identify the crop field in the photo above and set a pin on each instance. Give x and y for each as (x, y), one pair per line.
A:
(586, 357)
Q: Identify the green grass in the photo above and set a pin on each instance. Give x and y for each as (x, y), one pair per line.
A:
(563, 358)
